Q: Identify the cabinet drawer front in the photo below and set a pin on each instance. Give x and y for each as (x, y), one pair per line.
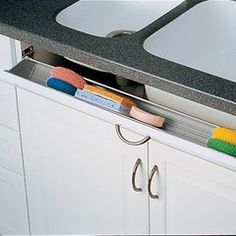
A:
(8, 107)
(13, 210)
(10, 150)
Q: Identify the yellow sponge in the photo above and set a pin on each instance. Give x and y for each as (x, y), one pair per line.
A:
(109, 95)
(227, 135)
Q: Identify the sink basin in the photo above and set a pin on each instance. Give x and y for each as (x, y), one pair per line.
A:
(203, 38)
(100, 18)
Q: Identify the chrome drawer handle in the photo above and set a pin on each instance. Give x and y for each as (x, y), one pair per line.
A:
(154, 169)
(137, 143)
(137, 164)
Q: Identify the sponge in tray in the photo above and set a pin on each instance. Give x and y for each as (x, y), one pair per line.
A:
(61, 86)
(227, 135)
(68, 76)
(109, 95)
(95, 99)
(222, 146)
(146, 117)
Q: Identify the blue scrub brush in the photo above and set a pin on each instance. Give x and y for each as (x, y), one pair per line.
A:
(61, 86)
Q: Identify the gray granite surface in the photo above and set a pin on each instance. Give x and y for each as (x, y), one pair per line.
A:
(33, 21)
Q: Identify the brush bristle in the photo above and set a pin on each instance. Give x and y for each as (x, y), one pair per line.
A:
(61, 86)
(222, 146)
(227, 135)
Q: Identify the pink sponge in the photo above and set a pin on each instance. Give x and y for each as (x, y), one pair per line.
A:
(146, 117)
(68, 76)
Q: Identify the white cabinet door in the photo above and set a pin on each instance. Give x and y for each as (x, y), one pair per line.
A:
(8, 106)
(78, 172)
(10, 150)
(198, 197)
(13, 211)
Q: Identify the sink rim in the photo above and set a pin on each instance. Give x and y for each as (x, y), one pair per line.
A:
(158, 52)
(61, 17)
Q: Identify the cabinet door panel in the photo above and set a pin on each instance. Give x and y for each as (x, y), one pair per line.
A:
(8, 111)
(197, 204)
(13, 211)
(74, 170)
(200, 197)
(157, 206)
(10, 150)
(135, 203)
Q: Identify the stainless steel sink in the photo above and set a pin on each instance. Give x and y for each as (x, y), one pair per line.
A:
(100, 18)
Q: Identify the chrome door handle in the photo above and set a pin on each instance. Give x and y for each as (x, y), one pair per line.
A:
(154, 169)
(137, 164)
(137, 143)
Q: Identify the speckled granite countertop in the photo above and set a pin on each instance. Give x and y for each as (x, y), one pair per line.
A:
(34, 22)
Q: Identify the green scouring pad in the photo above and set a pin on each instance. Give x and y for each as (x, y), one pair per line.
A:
(222, 146)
